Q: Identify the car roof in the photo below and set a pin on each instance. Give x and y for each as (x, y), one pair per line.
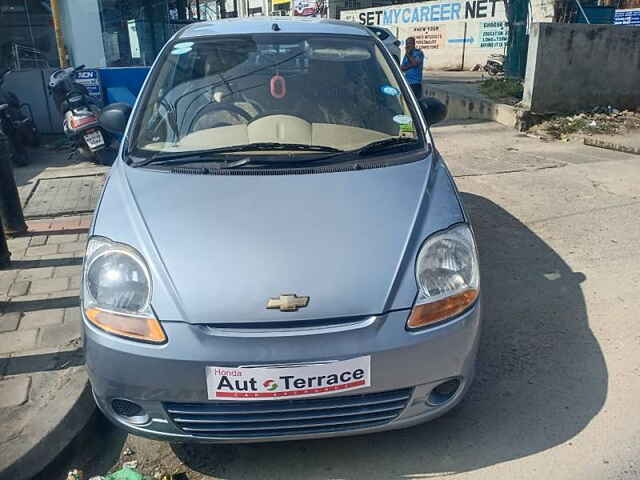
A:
(251, 25)
(373, 27)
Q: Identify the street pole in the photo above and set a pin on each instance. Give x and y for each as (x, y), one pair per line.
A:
(517, 14)
(57, 26)
(10, 206)
(464, 45)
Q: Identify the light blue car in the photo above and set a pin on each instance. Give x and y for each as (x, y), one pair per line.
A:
(279, 252)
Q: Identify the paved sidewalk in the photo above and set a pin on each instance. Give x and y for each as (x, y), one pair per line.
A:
(45, 399)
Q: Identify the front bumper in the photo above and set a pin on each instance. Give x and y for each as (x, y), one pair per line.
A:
(152, 375)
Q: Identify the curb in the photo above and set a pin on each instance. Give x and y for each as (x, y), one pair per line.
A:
(464, 106)
(52, 429)
(618, 147)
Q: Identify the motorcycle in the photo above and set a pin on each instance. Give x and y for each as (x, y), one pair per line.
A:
(17, 125)
(80, 112)
(495, 65)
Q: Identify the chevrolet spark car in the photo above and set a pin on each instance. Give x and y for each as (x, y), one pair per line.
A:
(279, 251)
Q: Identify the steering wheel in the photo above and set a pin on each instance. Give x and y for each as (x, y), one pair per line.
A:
(217, 107)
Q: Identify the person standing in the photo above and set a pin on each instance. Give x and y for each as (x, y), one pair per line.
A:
(411, 65)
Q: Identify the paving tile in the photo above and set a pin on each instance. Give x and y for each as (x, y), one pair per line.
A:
(19, 254)
(64, 238)
(35, 273)
(8, 276)
(19, 288)
(37, 241)
(72, 247)
(5, 285)
(69, 292)
(39, 225)
(72, 315)
(75, 282)
(43, 250)
(69, 195)
(28, 298)
(68, 271)
(15, 391)
(17, 341)
(9, 322)
(49, 285)
(41, 318)
(59, 335)
(20, 243)
(68, 224)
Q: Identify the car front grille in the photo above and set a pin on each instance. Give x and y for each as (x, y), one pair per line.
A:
(256, 419)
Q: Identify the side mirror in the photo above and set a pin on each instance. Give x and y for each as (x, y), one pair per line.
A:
(113, 118)
(433, 109)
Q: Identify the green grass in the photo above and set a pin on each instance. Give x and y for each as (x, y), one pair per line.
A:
(497, 88)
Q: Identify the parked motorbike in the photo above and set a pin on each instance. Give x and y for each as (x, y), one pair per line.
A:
(495, 65)
(16, 121)
(80, 112)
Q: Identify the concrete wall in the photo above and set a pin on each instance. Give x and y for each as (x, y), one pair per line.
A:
(439, 27)
(574, 67)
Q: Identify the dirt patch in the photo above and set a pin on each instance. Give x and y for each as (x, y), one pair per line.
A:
(587, 124)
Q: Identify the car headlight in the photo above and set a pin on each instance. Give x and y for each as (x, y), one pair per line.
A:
(447, 275)
(117, 292)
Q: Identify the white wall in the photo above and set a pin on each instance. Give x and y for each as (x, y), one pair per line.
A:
(83, 32)
(439, 28)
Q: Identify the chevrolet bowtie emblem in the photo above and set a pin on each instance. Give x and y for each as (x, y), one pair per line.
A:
(289, 302)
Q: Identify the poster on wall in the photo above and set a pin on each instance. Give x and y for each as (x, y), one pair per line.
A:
(430, 37)
(134, 41)
(453, 34)
(494, 34)
(311, 8)
(90, 79)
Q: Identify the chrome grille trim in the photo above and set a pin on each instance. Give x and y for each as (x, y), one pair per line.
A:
(265, 418)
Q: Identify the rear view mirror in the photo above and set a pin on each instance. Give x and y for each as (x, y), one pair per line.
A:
(433, 109)
(114, 117)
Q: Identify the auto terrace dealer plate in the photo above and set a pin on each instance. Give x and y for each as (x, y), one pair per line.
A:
(299, 381)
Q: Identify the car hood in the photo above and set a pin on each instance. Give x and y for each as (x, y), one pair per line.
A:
(223, 245)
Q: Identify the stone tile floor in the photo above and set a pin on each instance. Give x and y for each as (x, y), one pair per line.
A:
(39, 306)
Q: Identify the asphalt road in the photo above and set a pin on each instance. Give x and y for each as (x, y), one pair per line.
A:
(558, 379)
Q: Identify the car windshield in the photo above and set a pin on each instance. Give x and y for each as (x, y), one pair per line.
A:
(327, 91)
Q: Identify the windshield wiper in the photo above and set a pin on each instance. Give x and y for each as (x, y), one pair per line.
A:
(379, 145)
(262, 146)
(212, 154)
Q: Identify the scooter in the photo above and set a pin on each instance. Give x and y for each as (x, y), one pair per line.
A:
(495, 65)
(17, 125)
(80, 113)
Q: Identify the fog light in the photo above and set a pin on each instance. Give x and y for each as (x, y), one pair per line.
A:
(443, 392)
(129, 411)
